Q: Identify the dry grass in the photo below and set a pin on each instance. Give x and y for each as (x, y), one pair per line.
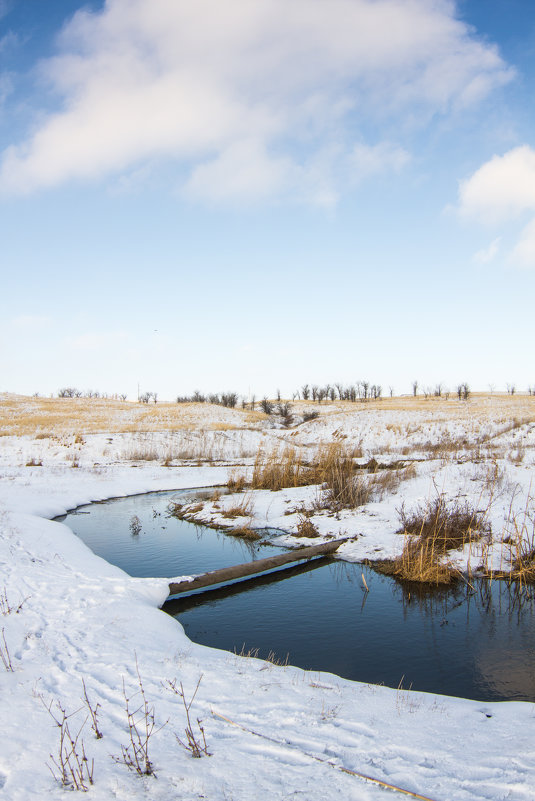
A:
(341, 488)
(243, 508)
(243, 532)
(236, 482)
(47, 417)
(141, 453)
(344, 483)
(521, 540)
(431, 532)
(184, 511)
(306, 528)
(286, 468)
(44, 417)
(279, 469)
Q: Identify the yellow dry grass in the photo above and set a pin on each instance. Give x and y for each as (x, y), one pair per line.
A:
(21, 415)
(41, 417)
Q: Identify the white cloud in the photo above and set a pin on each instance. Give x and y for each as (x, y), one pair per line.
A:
(502, 188)
(524, 251)
(383, 157)
(200, 82)
(488, 254)
(242, 170)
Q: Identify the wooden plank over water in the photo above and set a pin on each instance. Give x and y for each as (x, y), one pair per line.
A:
(251, 568)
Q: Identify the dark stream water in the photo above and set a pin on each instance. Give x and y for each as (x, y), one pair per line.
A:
(473, 642)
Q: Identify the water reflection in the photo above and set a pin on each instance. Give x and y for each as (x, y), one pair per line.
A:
(475, 639)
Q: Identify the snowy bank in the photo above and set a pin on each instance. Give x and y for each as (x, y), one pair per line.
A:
(69, 617)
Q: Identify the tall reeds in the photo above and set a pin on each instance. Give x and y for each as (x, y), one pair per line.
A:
(431, 532)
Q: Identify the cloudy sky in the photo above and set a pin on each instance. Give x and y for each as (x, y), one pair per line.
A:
(256, 194)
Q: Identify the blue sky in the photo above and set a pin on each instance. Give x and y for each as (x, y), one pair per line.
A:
(258, 194)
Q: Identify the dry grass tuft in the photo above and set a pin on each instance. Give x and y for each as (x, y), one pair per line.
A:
(306, 528)
(236, 482)
(333, 465)
(276, 470)
(448, 526)
(243, 508)
(521, 540)
(431, 532)
(142, 454)
(244, 533)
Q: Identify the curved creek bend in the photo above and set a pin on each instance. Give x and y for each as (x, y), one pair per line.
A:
(474, 642)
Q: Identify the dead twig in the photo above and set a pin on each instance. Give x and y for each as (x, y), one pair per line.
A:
(195, 744)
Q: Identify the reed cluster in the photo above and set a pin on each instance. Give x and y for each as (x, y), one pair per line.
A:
(431, 532)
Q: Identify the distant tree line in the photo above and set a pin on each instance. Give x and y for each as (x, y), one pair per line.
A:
(359, 391)
(229, 399)
(72, 392)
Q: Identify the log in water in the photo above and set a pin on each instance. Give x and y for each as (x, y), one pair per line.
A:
(251, 568)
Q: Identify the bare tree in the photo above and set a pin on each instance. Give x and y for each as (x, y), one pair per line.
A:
(266, 406)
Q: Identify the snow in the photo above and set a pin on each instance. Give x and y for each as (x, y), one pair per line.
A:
(70, 617)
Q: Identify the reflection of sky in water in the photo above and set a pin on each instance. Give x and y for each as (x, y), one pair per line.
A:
(506, 658)
(165, 546)
(505, 673)
(476, 642)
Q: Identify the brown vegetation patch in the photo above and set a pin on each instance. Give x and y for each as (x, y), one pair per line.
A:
(431, 532)
(243, 532)
(241, 509)
(306, 528)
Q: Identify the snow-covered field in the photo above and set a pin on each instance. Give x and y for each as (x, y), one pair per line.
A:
(68, 617)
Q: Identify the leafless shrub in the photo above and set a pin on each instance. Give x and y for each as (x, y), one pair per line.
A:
(284, 411)
(141, 728)
(4, 654)
(71, 766)
(33, 462)
(266, 406)
(229, 399)
(194, 743)
(93, 713)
